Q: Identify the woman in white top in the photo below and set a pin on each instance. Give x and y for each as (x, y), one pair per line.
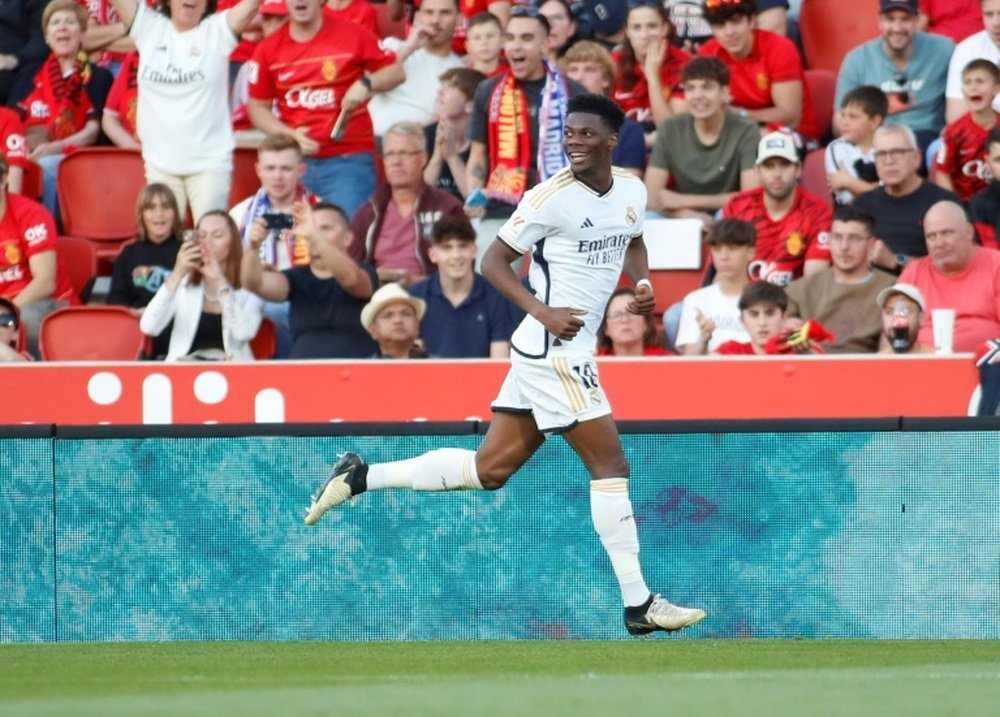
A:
(213, 317)
(183, 118)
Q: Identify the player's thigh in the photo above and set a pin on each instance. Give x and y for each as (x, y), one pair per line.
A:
(510, 441)
(597, 443)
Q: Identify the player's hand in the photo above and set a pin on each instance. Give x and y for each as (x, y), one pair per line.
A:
(643, 302)
(561, 321)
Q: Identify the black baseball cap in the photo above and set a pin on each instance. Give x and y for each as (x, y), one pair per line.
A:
(908, 5)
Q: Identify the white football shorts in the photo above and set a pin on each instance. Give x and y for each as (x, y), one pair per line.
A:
(560, 391)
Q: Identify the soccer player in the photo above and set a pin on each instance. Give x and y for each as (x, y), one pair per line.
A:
(582, 226)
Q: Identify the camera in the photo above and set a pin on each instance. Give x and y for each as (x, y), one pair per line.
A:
(279, 220)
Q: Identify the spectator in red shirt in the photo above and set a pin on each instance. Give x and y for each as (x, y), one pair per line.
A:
(357, 11)
(961, 161)
(767, 82)
(648, 86)
(956, 19)
(118, 120)
(14, 146)
(312, 71)
(31, 275)
(792, 225)
(484, 45)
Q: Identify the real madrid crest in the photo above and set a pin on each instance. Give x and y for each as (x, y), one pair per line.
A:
(329, 69)
(630, 216)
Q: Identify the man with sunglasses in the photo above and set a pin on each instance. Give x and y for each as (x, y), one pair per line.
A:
(9, 328)
(909, 66)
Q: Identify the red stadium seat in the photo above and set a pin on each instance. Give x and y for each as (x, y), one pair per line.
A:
(79, 256)
(245, 181)
(98, 188)
(265, 343)
(822, 86)
(387, 27)
(90, 333)
(814, 176)
(832, 28)
(31, 181)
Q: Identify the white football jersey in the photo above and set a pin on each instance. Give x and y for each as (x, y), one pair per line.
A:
(577, 239)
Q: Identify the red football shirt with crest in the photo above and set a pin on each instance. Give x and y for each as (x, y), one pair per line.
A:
(307, 81)
(783, 246)
(773, 59)
(27, 229)
(963, 156)
(12, 141)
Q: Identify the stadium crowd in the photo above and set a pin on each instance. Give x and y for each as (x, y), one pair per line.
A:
(393, 140)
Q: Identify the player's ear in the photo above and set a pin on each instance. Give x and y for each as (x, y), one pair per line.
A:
(612, 140)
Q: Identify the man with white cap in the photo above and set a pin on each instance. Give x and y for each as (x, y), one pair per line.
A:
(392, 317)
(792, 224)
(902, 307)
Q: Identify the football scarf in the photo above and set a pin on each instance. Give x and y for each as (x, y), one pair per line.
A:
(509, 135)
(298, 247)
(65, 98)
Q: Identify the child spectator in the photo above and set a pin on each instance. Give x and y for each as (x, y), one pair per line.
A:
(762, 312)
(483, 43)
(850, 159)
(961, 161)
(710, 316)
(449, 135)
(984, 209)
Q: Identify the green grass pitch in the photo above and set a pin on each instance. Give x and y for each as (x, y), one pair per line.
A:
(682, 678)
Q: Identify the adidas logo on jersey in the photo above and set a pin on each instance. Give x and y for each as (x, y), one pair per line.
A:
(586, 223)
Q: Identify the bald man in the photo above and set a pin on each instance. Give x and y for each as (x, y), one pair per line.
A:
(957, 274)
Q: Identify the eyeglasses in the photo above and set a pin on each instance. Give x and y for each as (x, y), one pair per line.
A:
(401, 154)
(901, 94)
(882, 155)
(8, 321)
(621, 315)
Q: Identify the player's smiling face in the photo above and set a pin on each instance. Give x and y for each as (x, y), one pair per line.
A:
(587, 142)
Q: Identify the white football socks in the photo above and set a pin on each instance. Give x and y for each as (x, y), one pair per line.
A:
(611, 511)
(438, 470)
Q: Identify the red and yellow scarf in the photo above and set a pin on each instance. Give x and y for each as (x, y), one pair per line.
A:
(60, 103)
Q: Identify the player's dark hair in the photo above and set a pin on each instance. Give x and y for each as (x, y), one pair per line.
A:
(448, 227)
(987, 66)
(716, 12)
(331, 207)
(731, 232)
(868, 98)
(706, 68)
(763, 292)
(850, 213)
(605, 108)
(464, 79)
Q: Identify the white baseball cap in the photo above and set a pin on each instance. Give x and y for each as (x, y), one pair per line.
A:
(907, 290)
(777, 144)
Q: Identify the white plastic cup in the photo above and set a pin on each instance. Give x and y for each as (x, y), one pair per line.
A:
(943, 323)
